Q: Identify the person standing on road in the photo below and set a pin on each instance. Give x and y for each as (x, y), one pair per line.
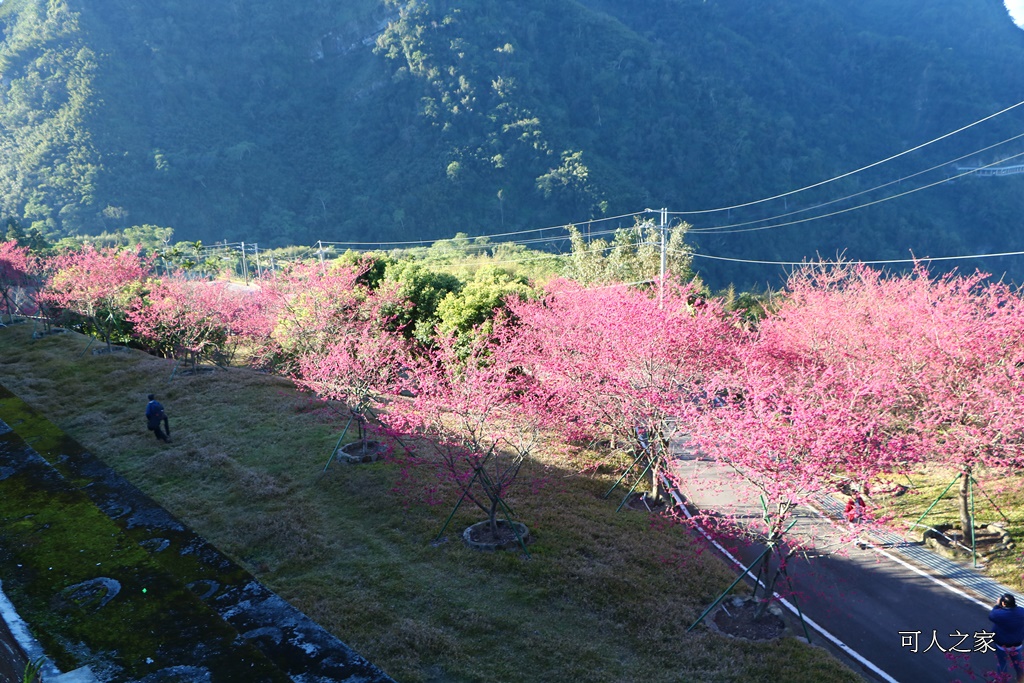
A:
(1008, 624)
(855, 508)
(155, 415)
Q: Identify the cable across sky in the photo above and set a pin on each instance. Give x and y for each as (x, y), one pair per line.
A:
(876, 262)
(422, 243)
(866, 204)
(853, 172)
(751, 225)
(727, 228)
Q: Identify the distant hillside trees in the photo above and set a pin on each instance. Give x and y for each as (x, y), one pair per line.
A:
(49, 158)
(391, 120)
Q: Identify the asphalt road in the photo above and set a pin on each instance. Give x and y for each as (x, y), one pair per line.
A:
(867, 598)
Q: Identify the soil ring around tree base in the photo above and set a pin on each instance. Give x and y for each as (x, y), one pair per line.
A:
(39, 334)
(643, 502)
(479, 536)
(359, 452)
(103, 350)
(948, 540)
(199, 370)
(735, 618)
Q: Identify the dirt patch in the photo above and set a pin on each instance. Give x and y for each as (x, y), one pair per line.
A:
(736, 618)
(643, 502)
(362, 451)
(482, 537)
(949, 541)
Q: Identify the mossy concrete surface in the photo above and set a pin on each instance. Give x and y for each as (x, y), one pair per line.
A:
(107, 579)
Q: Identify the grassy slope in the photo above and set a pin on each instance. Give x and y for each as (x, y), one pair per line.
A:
(606, 595)
(54, 538)
(998, 499)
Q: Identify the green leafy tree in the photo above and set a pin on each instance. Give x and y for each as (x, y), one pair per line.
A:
(150, 237)
(632, 255)
(49, 159)
(424, 289)
(570, 182)
(478, 301)
(15, 233)
(371, 266)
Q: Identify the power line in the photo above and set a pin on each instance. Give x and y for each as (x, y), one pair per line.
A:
(542, 240)
(564, 226)
(621, 284)
(538, 240)
(853, 172)
(867, 204)
(869, 263)
(571, 254)
(723, 228)
(546, 256)
(727, 229)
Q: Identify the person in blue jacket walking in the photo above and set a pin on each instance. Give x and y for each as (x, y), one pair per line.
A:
(1008, 625)
(155, 415)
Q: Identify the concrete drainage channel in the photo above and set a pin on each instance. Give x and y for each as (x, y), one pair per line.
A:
(112, 589)
(18, 648)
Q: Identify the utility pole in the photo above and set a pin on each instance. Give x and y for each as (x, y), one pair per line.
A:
(664, 256)
(320, 252)
(256, 250)
(245, 266)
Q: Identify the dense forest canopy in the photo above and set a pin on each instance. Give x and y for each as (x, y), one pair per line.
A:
(387, 120)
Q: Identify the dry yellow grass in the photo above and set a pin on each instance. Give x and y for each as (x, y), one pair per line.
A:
(606, 596)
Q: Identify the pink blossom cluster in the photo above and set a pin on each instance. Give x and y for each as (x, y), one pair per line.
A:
(851, 375)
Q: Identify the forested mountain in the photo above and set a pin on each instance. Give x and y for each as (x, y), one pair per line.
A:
(372, 120)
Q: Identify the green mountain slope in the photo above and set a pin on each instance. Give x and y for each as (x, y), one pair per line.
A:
(381, 121)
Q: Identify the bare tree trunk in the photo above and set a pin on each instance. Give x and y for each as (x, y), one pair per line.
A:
(769, 592)
(493, 518)
(966, 520)
(656, 476)
(660, 456)
(770, 583)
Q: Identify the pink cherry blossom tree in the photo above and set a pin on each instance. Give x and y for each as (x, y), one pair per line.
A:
(185, 319)
(814, 401)
(971, 353)
(952, 346)
(853, 319)
(620, 363)
(476, 414)
(306, 306)
(327, 330)
(99, 285)
(17, 267)
(360, 360)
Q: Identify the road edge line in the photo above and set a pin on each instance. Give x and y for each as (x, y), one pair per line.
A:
(792, 608)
